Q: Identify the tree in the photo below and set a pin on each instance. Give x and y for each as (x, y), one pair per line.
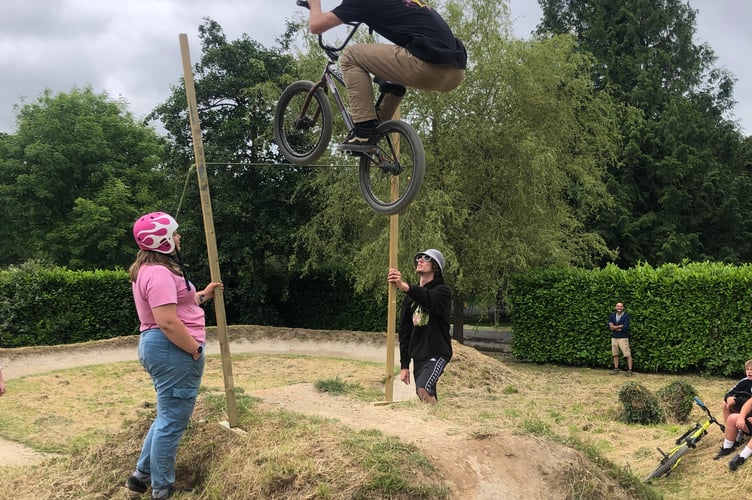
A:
(515, 159)
(76, 174)
(676, 180)
(258, 204)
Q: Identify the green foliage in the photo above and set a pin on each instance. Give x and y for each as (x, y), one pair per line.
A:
(257, 204)
(51, 306)
(74, 178)
(515, 160)
(680, 180)
(676, 400)
(690, 317)
(329, 301)
(640, 405)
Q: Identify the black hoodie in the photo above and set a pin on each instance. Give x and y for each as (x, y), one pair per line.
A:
(430, 338)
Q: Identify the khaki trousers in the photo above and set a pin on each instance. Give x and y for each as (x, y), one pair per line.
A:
(395, 64)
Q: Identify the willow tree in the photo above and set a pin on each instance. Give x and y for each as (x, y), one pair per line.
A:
(515, 162)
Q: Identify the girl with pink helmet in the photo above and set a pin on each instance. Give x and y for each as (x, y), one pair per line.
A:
(170, 348)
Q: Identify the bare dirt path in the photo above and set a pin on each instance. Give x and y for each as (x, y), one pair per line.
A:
(498, 467)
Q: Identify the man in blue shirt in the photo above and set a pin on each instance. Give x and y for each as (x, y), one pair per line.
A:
(618, 323)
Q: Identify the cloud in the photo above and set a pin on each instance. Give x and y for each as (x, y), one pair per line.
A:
(130, 49)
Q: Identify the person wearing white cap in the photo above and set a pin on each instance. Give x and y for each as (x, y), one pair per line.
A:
(424, 324)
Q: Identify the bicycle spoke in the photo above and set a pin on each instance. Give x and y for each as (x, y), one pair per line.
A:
(390, 169)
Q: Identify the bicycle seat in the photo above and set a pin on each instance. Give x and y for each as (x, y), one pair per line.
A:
(386, 87)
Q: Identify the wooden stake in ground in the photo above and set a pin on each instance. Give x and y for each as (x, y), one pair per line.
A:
(211, 241)
(391, 314)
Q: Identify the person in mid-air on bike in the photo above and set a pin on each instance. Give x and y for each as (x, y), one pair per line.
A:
(425, 55)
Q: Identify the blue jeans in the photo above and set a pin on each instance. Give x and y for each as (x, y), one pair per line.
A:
(177, 378)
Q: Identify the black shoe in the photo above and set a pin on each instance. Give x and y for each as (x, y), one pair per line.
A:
(135, 484)
(361, 139)
(615, 371)
(723, 452)
(171, 490)
(736, 462)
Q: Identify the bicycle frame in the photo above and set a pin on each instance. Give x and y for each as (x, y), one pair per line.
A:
(684, 443)
(331, 76)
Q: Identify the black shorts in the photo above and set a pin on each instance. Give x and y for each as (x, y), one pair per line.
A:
(427, 373)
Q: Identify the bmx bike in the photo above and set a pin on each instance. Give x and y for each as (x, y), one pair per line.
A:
(684, 443)
(303, 130)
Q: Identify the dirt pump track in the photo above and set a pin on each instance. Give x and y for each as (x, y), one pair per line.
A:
(502, 466)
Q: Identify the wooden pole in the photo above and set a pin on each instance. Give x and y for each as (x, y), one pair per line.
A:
(211, 241)
(391, 314)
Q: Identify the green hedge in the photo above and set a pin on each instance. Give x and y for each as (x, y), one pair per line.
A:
(40, 305)
(50, 306)
(691, 317)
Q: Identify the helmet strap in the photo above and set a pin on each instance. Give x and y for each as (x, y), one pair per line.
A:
(179, 261)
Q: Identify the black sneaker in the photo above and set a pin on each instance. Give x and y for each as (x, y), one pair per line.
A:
(135, 484)
(361, 139)
(723, 452)
(615, 371)
(171, 490)
(736, 462)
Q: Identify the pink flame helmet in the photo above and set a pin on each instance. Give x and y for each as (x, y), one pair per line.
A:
(154, 232)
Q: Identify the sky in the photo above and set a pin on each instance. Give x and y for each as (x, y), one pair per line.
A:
(130, 49)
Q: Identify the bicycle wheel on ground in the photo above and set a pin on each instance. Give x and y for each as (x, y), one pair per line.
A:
(302, 125)
(668, 464)
(400, 156)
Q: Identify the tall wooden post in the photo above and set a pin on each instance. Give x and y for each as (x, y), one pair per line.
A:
(391, 314)
(211, 241)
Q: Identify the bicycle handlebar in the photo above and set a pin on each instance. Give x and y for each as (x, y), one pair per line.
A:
(329, 49)
(699, 403)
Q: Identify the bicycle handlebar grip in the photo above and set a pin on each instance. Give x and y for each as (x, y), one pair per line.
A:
(699, 402)
(303, 3)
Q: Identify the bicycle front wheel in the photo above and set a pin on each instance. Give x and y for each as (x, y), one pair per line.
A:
(391, 177)
(668, 464)
(302, 123)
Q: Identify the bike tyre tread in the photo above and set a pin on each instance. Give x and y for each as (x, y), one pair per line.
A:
(321, 142)
(668, 464)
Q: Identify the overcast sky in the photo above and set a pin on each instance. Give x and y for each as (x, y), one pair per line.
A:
(130, 49)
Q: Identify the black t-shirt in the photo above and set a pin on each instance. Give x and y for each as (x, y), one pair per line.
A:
(409, 24)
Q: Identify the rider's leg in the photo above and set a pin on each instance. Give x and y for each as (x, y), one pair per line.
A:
(392, 63)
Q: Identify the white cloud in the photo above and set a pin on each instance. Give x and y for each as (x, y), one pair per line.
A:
(130, 49)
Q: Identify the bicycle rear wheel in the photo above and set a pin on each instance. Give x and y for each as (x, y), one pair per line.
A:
(668, 463)
(399, 155)
(302, 132)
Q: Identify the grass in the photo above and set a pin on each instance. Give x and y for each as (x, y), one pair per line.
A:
(95, 418)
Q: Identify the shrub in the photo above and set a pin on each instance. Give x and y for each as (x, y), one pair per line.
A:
(640, 405)
(676, 400)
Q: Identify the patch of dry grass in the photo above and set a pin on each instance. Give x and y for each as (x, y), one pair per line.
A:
(96, 418)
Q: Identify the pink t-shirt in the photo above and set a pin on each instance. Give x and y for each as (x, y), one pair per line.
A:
(157, 286)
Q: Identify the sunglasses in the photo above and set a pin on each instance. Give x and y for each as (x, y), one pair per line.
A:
(424, 258)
